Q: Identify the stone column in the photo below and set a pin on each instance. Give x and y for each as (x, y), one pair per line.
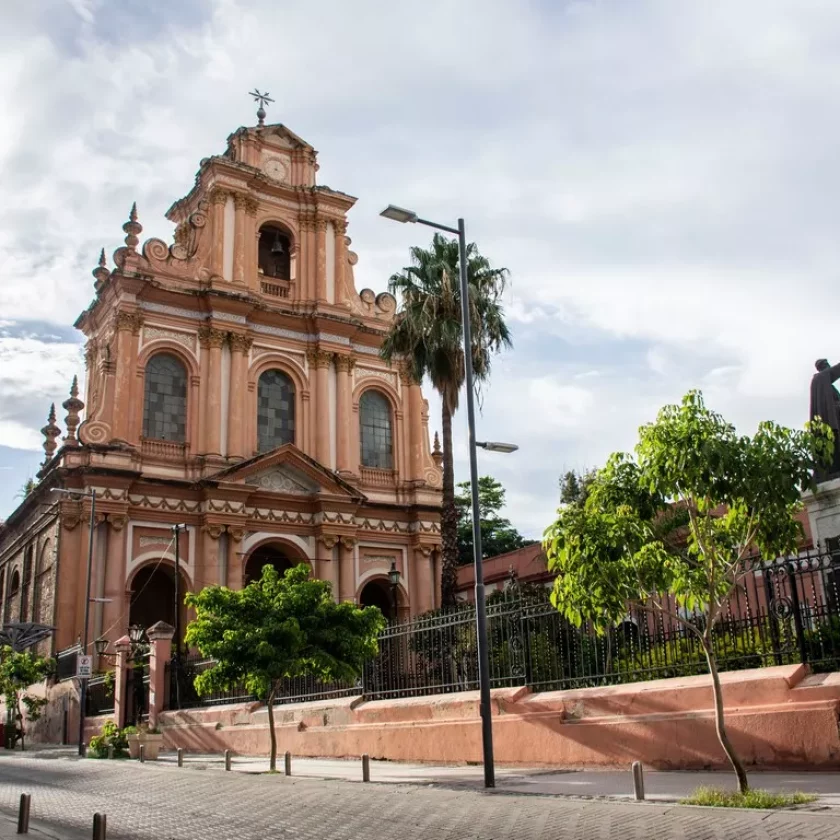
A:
(240, 345)
(422, 596)
(213, 340)
(304, 279)
(240, 201)
(347, 570)
(321, 360)
(218, 199)
(160, 642)
(115, 573)
(128, 325)
(321, 260)
(251, 243)
(414, 426)
(122, 647)
(344, 414)
(340, 227)
(327, 563)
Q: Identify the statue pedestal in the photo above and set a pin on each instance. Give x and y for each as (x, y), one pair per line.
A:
(823, 506)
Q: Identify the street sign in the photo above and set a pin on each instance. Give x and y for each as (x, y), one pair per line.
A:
(84, 666)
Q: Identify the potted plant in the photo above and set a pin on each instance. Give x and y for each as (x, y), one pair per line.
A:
(148, 737)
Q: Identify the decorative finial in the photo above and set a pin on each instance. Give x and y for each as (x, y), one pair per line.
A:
(132, 228)
(437, 455)
(50, 433)
(101, 272)
(72, 406)
(263, 99)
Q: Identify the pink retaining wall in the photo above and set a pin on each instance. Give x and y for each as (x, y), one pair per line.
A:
(777, 717)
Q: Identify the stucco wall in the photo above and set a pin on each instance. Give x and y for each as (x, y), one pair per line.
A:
(777, 717)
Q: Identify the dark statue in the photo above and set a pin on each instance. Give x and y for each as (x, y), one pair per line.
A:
(825, 404)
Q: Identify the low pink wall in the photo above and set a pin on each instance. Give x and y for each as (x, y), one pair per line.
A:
(777, 717)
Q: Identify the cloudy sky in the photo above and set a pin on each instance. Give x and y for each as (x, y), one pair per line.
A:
(661, 177)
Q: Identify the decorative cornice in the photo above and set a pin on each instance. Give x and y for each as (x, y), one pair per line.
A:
(172, 310)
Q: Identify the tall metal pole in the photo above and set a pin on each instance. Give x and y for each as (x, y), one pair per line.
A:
(176, 659)
(480, 606)
(83, 680)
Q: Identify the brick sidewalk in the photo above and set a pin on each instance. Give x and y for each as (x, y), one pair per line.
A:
(154, 802)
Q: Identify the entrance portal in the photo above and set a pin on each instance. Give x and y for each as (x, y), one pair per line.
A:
(377, 593)
(267, 555)
(153, 597)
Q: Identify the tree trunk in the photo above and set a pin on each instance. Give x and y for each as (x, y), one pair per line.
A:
(272, 762)
(448, 519)
(723, 737)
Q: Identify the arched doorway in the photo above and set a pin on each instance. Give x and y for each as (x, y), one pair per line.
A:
(377, 593)
(152, 597)
(271, 554)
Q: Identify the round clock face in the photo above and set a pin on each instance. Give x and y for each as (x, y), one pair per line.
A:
(276, 169)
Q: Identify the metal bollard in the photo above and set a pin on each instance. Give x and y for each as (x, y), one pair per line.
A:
(99, 826)
(365, 768)
(227, 759)
(110, 750)
(288, 758)
(638, 781)
(180, 757)
(23, 814)
(142, 753)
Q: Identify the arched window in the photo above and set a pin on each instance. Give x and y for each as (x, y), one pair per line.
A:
(165, 399)
(12, 605)
(275, 410)
(376, 437)
(274, 253)
(27, 583)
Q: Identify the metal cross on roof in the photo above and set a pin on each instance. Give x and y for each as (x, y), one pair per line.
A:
(263, 99)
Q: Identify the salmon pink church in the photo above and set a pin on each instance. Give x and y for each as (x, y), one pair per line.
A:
(234, 387)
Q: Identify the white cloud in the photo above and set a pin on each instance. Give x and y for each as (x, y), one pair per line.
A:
(659, 177)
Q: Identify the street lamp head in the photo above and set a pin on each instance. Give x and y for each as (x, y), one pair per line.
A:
(399, 214)
(497, 446)
(135, 633)
(394, 574)
(100, 646)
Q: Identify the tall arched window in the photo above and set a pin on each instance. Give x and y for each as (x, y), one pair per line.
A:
(165, 399)
(275, 410)
(376, 438)
(12, 605)
(27, 583)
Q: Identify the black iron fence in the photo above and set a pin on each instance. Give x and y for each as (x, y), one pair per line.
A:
(782, 613)
(137, 689)
(65, 663)
(99, 697)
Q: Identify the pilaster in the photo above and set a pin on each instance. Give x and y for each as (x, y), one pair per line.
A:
(320, 361)
(344, 409)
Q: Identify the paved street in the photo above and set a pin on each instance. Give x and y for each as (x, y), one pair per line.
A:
(161, 802)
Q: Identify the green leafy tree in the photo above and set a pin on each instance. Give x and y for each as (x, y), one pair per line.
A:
(674, 527)
(18, 671)
(498, 536)
(427, 335)
(278, 628)
(574, 487)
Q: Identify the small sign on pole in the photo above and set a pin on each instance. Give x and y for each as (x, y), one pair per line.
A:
(84, 666)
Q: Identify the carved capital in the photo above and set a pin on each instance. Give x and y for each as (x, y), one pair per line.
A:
(71, 519)
(240, 343)
(236, 534)
(251, 205)
(240, 201)
(306, 221)
(407, 374)
(348, 542)
(118, 521)
(132, 321)
(213, 531)
(329, 541)
(321, 225)
(344, 364)
(211, 337)
(340, 226)
(425, 550)
(218, 195)
(319, 358)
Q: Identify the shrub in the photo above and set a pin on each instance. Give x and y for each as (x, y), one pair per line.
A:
(111, 736)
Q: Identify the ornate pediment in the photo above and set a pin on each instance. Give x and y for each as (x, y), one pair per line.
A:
(283, 480)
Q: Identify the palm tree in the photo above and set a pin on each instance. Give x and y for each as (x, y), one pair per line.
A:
(427, 336)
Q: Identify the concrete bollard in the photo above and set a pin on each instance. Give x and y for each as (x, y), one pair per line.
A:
(23, 814)
(227, 759)
(99, 827)
(365, 768)
(638, 781)
(288, 762)
(142, 753)
(110, 751)
(180, 757)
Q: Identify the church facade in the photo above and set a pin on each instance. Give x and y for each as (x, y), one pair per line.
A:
(234, 388)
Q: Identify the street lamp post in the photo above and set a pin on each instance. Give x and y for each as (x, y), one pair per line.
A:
(394, 579)
(176, 657)
(91, 494)
(400, 214)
